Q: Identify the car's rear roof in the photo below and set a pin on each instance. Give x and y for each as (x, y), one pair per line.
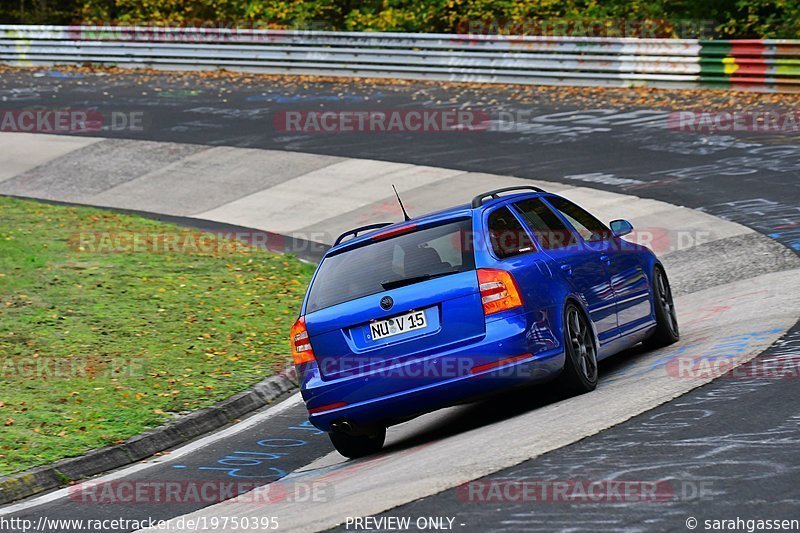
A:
(450, 213)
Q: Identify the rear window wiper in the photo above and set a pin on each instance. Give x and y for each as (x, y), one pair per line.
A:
(393, 284)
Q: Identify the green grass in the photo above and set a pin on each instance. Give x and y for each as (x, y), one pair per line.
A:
(98, 346)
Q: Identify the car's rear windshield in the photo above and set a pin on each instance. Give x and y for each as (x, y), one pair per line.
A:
(428, 252)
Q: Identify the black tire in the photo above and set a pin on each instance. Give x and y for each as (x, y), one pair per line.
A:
(580, 368)
(355, 446)
(667, 331)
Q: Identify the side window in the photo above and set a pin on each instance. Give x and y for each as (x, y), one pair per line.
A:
(591, 229)
(549, 230)
(508, 236)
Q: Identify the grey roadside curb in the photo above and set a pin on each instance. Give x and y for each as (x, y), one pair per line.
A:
(36, 480)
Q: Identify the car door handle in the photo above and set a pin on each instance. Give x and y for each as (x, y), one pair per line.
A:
(605, 259)
(566, 269)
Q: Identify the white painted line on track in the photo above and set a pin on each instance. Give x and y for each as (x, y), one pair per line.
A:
(247, 423)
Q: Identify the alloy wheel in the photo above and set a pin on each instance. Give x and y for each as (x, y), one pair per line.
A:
(582, 341)
(666, 302)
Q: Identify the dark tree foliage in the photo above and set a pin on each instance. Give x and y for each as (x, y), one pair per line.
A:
(39, 11)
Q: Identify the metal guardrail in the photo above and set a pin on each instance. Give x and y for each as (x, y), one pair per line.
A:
(760, 65)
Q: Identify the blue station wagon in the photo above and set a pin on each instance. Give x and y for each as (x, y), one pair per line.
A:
(519, 287)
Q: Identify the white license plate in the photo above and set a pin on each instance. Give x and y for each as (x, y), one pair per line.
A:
(395, 326)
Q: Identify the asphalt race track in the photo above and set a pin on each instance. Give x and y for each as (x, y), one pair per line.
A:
(731, 464)
(726, 449)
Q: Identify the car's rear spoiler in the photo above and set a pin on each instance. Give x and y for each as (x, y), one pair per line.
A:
(355, 232)
(478, 200)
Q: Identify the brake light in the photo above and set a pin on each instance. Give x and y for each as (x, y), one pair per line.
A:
(499, 291)
(393, 232)
(301, 345)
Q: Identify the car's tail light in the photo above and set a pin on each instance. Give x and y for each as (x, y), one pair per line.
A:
(301, 345)
(499, 291)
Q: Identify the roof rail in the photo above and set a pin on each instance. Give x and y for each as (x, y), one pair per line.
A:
(355, 232)
(478, 200)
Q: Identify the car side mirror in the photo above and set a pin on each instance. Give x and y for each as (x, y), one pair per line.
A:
(621, 227)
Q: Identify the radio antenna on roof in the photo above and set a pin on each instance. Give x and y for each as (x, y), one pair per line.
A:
(401, 204)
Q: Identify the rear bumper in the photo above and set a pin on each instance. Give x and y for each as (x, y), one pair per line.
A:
(510, 354)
